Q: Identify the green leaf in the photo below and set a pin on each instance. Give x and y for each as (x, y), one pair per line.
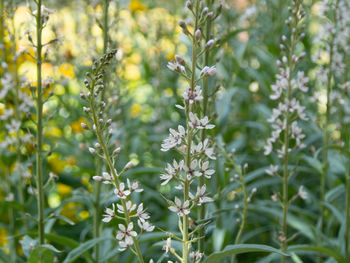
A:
(41, 254)
(68, 242)
(77, 252)
(317, 249)
(239, 249)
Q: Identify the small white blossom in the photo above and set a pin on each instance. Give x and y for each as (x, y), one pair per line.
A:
(179, 208)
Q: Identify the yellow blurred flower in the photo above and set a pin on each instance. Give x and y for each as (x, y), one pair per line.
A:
(76, 125)
(56, 164)
(135, 110)
(171, 56)
(132, 72)
(136, 5)
(69, 210)
(84, 214)
(3, 237)
(63, 189)
(66, 70)
(52, 131)
(2, 108)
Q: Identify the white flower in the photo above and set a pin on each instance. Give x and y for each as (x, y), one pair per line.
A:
(134, 186)
(126, 233)
(141, 212)
(179, 208)
(192, 95)
(302, 81)
(171, 171)
(167, 246)
(268, 147)
(175, 66)
(205, 123)
(110, 214)
(174, 138)
(145, 225)
(190, 171)
(200, 195)
(208, 71)
(13, 127)
(272, 170)
(196, 256)
(302, 193)
(129, 207)
(204, 171)
(121, 193)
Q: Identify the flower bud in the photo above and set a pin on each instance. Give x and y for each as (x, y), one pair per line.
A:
(116, 151)
(128, 166)
(198, 34)
(92, 150)
(210, 43)
(179, 60)
(84, 126)
(97, 178)
(97, 145)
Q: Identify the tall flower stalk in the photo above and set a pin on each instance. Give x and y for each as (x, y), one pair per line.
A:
(193, 151)
(205, 103)
(130, 213)
(336, 35)
(287, 135)
(99, 164)
(39, 16)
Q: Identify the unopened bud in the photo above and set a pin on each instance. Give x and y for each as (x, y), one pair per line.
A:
(128, 166)
(198, 34)
(116, 151)
(210, 43)
(84, 126)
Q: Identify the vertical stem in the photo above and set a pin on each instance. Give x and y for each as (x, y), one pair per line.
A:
(185, 237)
(97, 220)
(105, 25)
(39, 111)
(114, 174)
(99, 166)
(202, 209)
(285, 199)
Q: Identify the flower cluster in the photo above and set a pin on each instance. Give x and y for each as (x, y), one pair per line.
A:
(195, 151)
(333, 39)
(127, 210)
(285, 117)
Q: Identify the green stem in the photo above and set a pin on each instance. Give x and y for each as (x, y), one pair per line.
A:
(97, 219)
(326, 132)
(39, 137)
(114, 174)
(99, 166)
(185, 225)
(202, 208)
(285, 199)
